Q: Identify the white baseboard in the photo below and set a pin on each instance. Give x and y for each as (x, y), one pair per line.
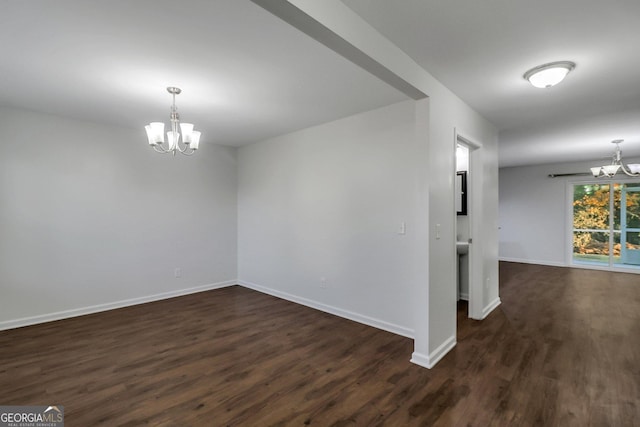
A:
(429, 361)
(464, 296)
(605, 268)
(59, 315)
(533, 261)
(489, 308)
(49, 317)
(421, 360)
(369, 321)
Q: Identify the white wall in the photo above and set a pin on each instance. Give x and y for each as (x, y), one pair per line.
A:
(533, 212)
(328, 201)
(92, 217)
(450, 114)
(332, 23)
(405, 284)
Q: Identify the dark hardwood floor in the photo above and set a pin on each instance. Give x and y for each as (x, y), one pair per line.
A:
(563, 349)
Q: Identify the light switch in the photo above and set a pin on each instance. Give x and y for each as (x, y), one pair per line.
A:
(403, 228)
(438, 231)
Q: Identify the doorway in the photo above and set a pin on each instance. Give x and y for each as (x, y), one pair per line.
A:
(469, 226)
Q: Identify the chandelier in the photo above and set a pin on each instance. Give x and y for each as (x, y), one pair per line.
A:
(616, 165)
(186, 145)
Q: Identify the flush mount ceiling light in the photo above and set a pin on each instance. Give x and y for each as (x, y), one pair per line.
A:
(548, 75)
(186, 145)
(616, 165)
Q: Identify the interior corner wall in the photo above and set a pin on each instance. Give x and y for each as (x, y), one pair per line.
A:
(92, 218)
(332, 23)
(321, 213)
(533, 212)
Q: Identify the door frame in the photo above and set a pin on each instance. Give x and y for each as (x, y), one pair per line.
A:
(475, 179)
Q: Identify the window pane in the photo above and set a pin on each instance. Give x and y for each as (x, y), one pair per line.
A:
(591, 212)
(632, 205)
(591, 207)
(627, 201)
(591, 247)
(617, 248)
(628, 254)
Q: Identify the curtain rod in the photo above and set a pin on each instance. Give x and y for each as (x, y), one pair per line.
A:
(557, 175)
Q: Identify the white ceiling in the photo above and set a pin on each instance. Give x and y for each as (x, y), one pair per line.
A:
(247, 76)
(481, 49)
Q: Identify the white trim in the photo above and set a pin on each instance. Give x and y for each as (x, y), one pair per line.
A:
(614, 269)
(59, 315)
(50, 317)
(464, 137)
(435, 356)
(475, 205)
(464, 296)
(489, 308)
(420, 360)
(533, 261)
(629, 270)
(369, 321)
(568, 222)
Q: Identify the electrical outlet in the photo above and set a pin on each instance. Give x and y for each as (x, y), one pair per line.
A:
(323, 282)
(177, 272)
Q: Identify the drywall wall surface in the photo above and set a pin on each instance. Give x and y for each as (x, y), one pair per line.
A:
(322, 213)
(332, 23)
(91, 216)
(533, 214)
(449, 115)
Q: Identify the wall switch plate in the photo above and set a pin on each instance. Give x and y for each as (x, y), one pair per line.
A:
(323, 282)
(438, 231)
(177, 272)
(403, 228)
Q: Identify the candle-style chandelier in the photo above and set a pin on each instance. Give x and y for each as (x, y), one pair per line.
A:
(607, 171)
(186, 144)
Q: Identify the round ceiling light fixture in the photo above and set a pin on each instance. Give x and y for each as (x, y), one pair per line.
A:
(550, 74)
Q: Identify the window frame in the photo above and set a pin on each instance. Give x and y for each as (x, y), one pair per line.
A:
(569, 195)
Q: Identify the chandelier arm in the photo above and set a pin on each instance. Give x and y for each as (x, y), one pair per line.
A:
(185, 149)
(628, 172)
(160, 149)
(609, 171)
(182, 150)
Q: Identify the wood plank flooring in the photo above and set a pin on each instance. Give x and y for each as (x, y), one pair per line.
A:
(563, 349)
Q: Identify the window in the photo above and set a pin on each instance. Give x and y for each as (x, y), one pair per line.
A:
(606, 224)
